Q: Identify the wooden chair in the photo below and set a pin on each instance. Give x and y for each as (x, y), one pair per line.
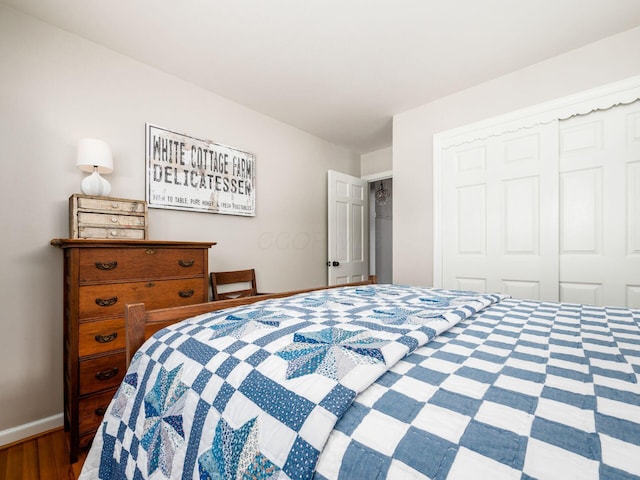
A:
(246, 277)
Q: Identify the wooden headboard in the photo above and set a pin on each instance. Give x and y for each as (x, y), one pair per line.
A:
(141, 323)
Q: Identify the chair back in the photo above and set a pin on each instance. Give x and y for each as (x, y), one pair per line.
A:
(244, 282)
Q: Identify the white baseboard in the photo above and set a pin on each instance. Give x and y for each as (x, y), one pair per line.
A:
(15, 434)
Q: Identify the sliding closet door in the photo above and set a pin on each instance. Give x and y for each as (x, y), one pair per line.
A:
(600, 207)
(499, 214)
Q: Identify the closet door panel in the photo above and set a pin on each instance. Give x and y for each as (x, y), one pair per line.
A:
(521, 216)
(464, 221)
(472, 220)
(599, 203)
(581, 212)
(632, 294)
(520, 289)
(584, 292)
(633, 205)
(500, 214)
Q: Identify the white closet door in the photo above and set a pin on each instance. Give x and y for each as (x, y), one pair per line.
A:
(499, 214)
(600, 207)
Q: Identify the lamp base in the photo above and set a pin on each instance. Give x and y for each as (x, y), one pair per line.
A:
(95, 185)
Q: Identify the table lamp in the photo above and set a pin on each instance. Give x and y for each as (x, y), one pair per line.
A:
(95, 156)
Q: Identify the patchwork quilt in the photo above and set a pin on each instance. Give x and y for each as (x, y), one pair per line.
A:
(523, 390)
(255, 391)
(381, 381)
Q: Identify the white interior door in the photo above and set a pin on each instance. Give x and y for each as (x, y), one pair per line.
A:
(600, 207)
(499, 214)
(348, 231)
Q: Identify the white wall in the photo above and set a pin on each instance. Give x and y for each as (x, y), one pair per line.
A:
(609, 60)
(376, 162)
(56, 88)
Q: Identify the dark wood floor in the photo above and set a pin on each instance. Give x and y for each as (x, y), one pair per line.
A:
(43, 457)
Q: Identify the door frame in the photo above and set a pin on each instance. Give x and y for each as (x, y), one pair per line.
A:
(623, 92)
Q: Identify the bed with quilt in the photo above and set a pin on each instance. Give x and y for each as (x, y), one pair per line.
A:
(381, 381)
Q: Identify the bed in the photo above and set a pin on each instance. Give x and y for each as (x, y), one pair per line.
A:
(377, 381)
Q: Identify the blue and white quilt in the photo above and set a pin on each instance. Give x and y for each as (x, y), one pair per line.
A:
(381, 381)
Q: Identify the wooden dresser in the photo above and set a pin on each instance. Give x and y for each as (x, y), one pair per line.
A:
(100, 278)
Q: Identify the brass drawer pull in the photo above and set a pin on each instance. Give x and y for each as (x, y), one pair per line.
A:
(149, 251)
(106, 302)
(106, 338)
(107, 374)
(100, 411)
(106, 265)
(186, 293)
(186, 263)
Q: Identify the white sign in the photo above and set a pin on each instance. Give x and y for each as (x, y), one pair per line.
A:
(187, 173)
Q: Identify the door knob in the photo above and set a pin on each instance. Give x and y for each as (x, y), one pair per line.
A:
(335, 264)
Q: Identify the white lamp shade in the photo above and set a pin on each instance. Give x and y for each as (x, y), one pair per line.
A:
(94, 154)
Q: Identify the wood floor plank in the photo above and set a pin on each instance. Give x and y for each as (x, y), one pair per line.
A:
(30, 462)
(14, 462)
(45, 457)
(49, 461)
(4, 455)
(61, 452)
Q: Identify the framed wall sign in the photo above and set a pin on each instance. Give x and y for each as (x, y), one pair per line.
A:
(188, 173)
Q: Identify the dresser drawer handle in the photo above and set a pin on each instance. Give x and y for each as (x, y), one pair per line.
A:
(107, 374)
(149, 251)
(186, 293)
(150, 285)
(106, 338)
(106, 302)
(186, 263)
(106, 265)
(114, 219)
(100, 411)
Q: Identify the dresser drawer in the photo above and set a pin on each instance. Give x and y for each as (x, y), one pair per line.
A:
(103, 264)
(101, 336)
(97, 301)
(91, 410)
(101, 373)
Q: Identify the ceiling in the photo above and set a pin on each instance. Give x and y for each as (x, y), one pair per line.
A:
(338, 69)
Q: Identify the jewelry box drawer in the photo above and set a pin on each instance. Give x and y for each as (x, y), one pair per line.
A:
(101, 336)
(107, 204)
(103, 264)
(112, 233)
(101, 373)
(96, 301)
(109, 220)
